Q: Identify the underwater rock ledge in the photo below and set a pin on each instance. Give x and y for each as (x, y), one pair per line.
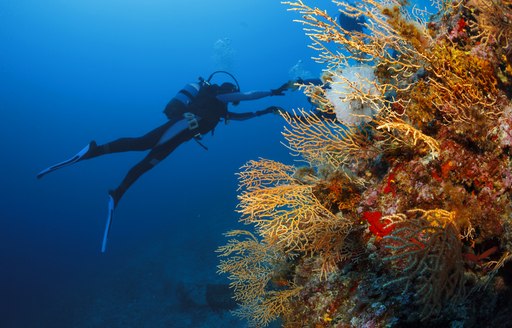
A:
(400, 219)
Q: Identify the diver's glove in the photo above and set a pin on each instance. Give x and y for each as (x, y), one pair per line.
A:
(280, 91)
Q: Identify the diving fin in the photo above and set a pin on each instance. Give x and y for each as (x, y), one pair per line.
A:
(79, 156)
(111, 206)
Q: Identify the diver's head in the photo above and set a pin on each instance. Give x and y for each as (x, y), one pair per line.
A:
(227, 87)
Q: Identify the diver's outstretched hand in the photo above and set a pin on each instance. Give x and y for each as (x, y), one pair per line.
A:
(292, 85)
(280, 91)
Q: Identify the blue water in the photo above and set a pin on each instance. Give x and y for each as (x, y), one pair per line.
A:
(73, 71)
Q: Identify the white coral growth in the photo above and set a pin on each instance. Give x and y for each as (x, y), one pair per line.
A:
(351, 93)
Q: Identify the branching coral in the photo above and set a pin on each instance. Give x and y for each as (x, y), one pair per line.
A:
(288, 215)
(388, 34)
(323, 142)
(426, 252)
(384, 36)
(492, 20)
(250, 268)
(407, 135)
(464, 85)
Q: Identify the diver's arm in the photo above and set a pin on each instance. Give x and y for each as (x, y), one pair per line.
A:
(253, 95)
(247, 115)
(242, 96)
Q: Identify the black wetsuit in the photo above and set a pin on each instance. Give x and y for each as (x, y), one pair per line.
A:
(208, 109)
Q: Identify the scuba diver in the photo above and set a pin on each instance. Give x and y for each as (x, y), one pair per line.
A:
(193, 112)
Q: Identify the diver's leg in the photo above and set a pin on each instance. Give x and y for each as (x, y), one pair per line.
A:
(156, 155)
(145, 142)
(167, 143)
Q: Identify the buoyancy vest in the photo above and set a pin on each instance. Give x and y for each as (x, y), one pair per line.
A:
(208, 108)
(203, 104)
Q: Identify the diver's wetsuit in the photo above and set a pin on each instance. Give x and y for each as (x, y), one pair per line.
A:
(208, 110)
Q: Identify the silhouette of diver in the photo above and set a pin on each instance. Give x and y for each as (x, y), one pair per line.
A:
(193, 112)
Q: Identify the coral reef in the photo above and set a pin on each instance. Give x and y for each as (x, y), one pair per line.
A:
(401, 216)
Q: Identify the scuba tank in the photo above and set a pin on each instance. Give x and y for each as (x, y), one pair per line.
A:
(179, 104)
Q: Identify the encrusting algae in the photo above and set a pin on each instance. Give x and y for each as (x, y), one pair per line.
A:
(402, 218)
